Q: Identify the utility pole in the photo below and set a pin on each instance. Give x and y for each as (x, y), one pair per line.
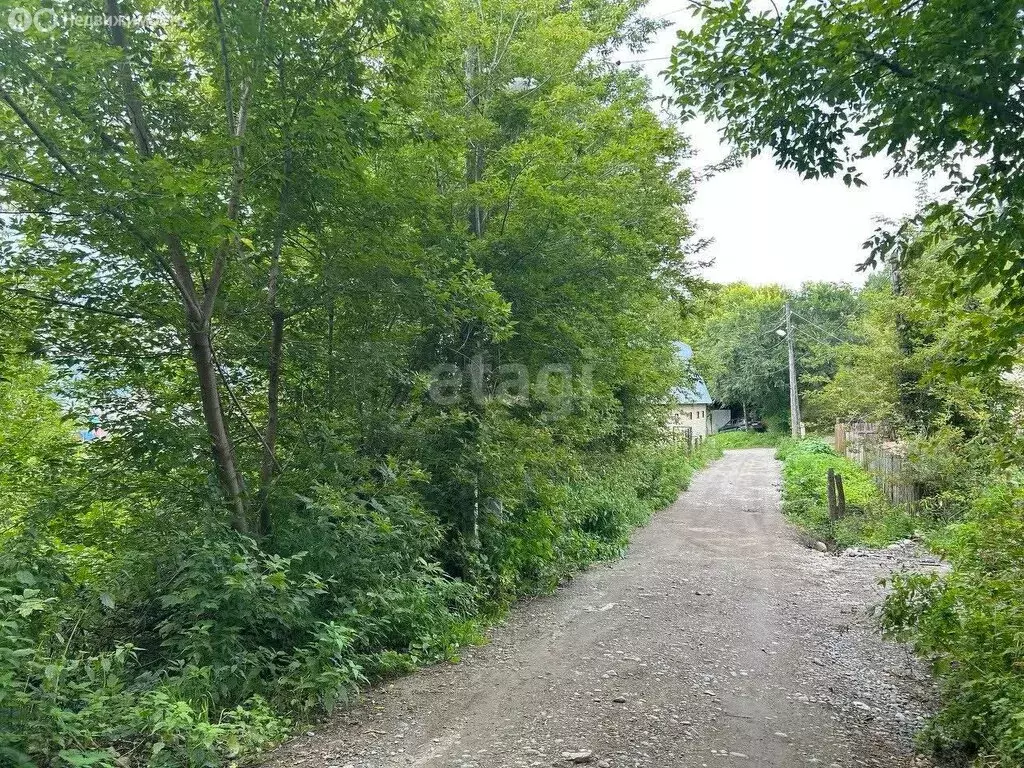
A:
(794, 395)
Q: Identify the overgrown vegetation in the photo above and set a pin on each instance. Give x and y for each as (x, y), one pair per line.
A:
(969, 624)
(869, 519)
(366, 310)
(932, 353)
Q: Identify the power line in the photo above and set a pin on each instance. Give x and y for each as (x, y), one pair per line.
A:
(641, 61)
(820, 328)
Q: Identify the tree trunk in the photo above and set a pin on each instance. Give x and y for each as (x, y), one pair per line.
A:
(269, 465)
(198, 310)
(475, 150)
(216, 425)
(330, 354)
(269, 462)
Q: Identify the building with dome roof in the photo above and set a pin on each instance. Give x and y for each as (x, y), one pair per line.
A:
(692, 416)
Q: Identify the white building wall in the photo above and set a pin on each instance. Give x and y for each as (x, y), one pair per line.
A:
(696, 417)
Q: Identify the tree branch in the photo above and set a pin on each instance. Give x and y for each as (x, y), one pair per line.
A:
(136, 118)
(37, 187)
(51, 148)
(70, 108)
(905, 72)
(74, 305)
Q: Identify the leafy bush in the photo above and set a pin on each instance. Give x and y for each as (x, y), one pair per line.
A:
(205, 648)
(970, 624)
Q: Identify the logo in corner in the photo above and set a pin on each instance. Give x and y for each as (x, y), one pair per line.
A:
(19, 19)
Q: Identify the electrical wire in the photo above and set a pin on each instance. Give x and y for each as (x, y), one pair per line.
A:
(820, 328)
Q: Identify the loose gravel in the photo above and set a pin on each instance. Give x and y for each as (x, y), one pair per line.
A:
(719, 640)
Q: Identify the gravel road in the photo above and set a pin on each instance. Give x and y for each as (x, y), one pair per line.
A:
(719, 640)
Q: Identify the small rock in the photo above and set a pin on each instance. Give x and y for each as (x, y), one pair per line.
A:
(583, 756)
(821, 546)
(619, 699)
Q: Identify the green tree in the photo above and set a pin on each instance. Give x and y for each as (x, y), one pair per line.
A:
(823, 85)
(162, 165)
(254, 238)
(738, 351)
(739, 348)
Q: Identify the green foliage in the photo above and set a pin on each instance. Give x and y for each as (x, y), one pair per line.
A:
(737, 351)
(870, 520)
(746, 439)
(969, 624)
(235, 639)
(866, 383)
(824, 85)
(241, 640)
(258, 312)
(737, 347)
(805, 494)
(36, 443)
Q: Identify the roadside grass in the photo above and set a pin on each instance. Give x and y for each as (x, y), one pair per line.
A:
(742, 439)
(870, 520)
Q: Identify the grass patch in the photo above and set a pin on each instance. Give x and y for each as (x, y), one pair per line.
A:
(870, 520)
(740, 439)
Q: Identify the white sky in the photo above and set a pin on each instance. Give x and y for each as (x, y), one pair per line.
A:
(769, 225)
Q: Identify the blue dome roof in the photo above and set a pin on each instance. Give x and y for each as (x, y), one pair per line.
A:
(696, 392)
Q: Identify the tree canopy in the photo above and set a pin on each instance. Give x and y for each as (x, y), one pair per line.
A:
(738, 335)
(933, 85)
(373, 305)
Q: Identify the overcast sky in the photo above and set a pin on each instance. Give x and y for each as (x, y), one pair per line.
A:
(769, 225)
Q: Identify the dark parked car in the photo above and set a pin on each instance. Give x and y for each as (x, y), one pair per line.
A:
(741, 425)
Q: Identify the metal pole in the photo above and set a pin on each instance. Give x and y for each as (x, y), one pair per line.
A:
(794, 395)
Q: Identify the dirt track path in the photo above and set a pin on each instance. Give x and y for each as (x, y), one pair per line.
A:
(720, 640)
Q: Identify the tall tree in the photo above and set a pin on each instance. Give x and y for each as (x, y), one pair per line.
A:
(738, 351)
(161, 162)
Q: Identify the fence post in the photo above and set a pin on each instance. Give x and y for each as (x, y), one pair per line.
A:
(831, 494)
(840, 497)
(841, 438)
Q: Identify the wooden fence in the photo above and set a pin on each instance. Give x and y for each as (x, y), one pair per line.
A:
(680, 434)
(875, 447)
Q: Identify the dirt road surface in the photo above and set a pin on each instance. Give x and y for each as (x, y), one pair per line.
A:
(719, 640)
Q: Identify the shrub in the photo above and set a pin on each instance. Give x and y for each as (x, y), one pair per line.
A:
(201, 648)
(970, 625)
